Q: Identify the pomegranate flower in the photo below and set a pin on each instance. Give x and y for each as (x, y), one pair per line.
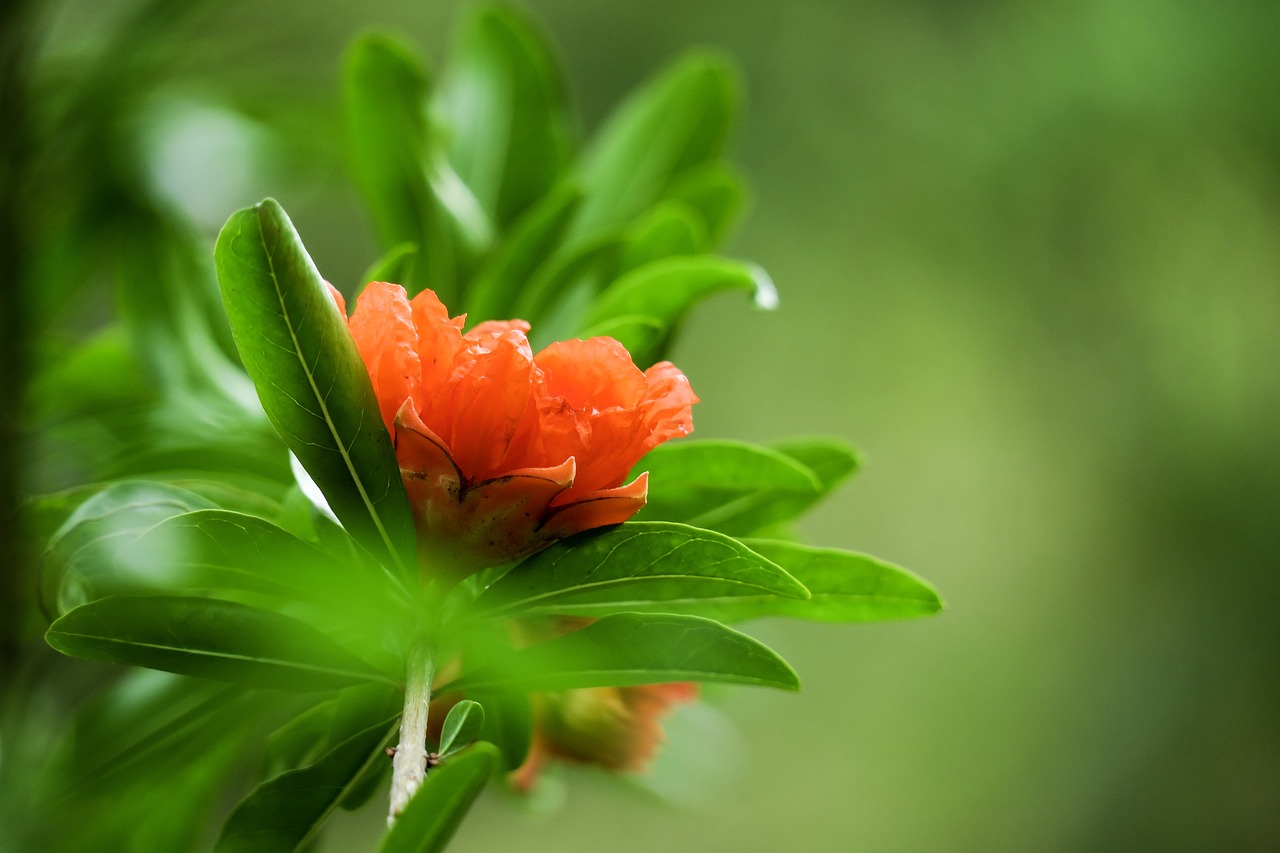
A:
(503, 451)
(618, 728)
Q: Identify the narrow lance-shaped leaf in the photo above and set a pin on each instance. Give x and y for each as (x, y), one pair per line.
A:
(845, 587)
(286, 812)
(670, 229)
(433, 815)
(504, 98)
(385, 90)
(717, 192)
(626, 649)
(492, 294)
(395, 265)
(209, 638)
(639, 562)
(463, 723)
(676, 122)
(310, 378)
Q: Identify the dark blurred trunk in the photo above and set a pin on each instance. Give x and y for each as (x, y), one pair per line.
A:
(15, 30)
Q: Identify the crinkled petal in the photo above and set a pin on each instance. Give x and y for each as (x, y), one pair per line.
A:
(667, 406)
(383, 329)
(498, 327)
(490, 398)
(439, 345)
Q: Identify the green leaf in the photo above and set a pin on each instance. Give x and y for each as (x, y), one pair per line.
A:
(639, 334)
(463, 723)
(832, 461)
(86, 555)
(385, 93)
(508, 724)
(676, 122)
(556, 279)
(639, 562)
(665, 290)
(671, 229)
(717, 192)
(713, 483)
(504, 97)
(208, 638)
(626, 649)
(435, 811)
(533, 238)
(845, 587)
(310, 378)
(300, 740)
(395, 266)
(286, 812)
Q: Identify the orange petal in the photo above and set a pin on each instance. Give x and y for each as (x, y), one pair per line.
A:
(489, 400)
(667, 406)
(382, 327)
(598, 509)
(421, 454)
(439, 345)
(497, 327)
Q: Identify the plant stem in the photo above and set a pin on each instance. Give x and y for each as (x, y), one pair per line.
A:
(409, 765)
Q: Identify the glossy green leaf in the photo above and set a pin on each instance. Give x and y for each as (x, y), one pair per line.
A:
(503, 95)
(310, 378)
(636, 648)
(533, 238)
(395, 265)
(286, 812)
(676, 122)
(711, 483)
(665, 290)
(461, 726)
(640, 562)
(435, 811)
(845, 587)
(208, 638)
(829, 460)
(385, 91)
(357, 709)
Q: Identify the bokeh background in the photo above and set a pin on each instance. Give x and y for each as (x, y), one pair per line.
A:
(1029, 259)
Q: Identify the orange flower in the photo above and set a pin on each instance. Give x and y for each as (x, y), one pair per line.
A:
(503, 451)
(615, 727)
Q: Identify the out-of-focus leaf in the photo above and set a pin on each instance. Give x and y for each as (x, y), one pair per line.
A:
(639, 562)
(86, 555)
(504, 98)
(829, 460)
(717, 192)
(385, 90)
(508, 724)
(463, 723)
(533, 238)
(433, 814)
(310, 378)
(208, 638)
(676, 122)
(671, 229)
(357, 709)
(286, 812)
(639, 334)
(560, 276)
(300, 740)
(626, 649)
(845, 587)
(395, 265)
(665, 290)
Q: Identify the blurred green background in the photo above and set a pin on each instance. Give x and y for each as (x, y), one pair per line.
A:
(1029, 258)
